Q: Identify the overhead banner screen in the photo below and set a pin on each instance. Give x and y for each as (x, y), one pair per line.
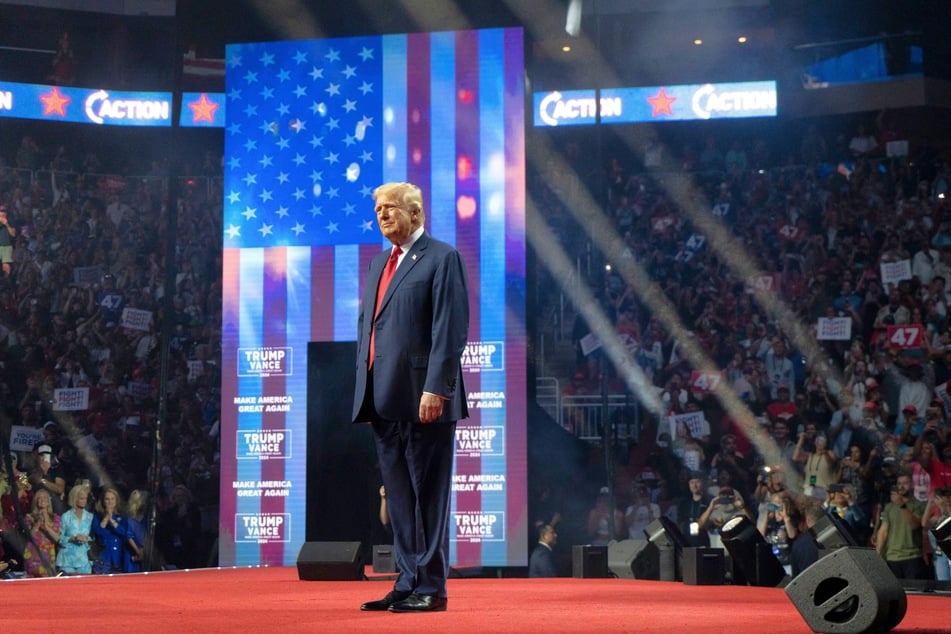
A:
(656, 103)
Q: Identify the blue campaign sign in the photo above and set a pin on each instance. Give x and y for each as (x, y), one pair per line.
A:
(656, 103)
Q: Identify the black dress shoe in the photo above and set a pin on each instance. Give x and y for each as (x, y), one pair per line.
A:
(383, 604)
(420, 603)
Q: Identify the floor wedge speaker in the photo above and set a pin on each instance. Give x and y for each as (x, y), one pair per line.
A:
(330, 561)
(850, 591)
(634, 559)
(589, 562)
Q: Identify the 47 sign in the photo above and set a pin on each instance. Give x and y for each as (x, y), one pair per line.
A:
(905, 336)
(705, 382)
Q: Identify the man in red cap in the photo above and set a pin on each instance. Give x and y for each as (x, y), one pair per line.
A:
(908, 427)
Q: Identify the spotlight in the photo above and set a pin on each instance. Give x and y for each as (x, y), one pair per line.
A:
(832, 532)
(942, 533)
(751, 553)
(573, 19)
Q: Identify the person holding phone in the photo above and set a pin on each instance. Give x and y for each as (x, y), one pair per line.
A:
(48, 475)
(899, 533)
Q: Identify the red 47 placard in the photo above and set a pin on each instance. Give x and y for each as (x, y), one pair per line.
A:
(704, 382)
(905, 336)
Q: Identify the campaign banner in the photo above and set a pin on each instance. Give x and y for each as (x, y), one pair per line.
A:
(687, 102)
(763, 282)
(195, 369)
(87, 275)
(895, 272)
(264, 445)
(905, 336)
(479, 526)
(264, 361)
(790, 233)
(589, 343)
(703, 382)
(484, 356)
(138, 390)
(262, 528)
(697, 426)
(70, 399)
(476, 442)
(23, 438)
(136, 319)
(85, 105)
(834, 329)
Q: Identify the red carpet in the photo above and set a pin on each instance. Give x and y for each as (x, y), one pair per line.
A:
(274, 600)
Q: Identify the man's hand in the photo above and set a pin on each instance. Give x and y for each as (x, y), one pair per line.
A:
(430, 407)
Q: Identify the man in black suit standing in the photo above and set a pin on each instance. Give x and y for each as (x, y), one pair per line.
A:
(542, 562)
(412, 328)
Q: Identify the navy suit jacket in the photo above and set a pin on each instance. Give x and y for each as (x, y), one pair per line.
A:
(421, 329)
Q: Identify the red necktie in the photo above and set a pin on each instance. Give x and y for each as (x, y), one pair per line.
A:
(388, 271)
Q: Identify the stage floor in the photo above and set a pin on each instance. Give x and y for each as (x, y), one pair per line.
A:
(274, 599)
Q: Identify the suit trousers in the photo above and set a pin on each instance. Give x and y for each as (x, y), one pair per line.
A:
(416, 465)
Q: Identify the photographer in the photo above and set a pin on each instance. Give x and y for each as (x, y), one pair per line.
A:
(7, 233)
(779, 527)
(841, 502)
(47, 474)
(724, 507)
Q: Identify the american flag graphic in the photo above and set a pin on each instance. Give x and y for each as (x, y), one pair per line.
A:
(312, 128)
(303, 142)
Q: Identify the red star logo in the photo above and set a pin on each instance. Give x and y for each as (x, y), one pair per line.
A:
(661, 103)
(203, 109)
(54, 102)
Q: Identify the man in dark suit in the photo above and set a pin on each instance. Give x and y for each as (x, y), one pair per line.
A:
(414, 318)
(542, 562)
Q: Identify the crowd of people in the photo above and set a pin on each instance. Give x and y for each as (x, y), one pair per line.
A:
(862, 426)
(83, 290)
(849, 419)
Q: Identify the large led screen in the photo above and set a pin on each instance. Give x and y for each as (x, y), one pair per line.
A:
(312, 127)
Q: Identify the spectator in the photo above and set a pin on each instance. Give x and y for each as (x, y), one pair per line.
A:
(48, 475)
(938, 510)
(134, 555)
(724, 507)
(7, 234)
(819, 461)
(39, 556)
(74, 538)
(178, 533)
(110, 531)
(690, 510)
(899, 535)
(604, 523)
(779, 527)
(640, 513)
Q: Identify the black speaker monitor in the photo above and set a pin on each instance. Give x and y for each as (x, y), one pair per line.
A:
(330, 561)
(850, 591)
(589, 562)
(634, 559)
